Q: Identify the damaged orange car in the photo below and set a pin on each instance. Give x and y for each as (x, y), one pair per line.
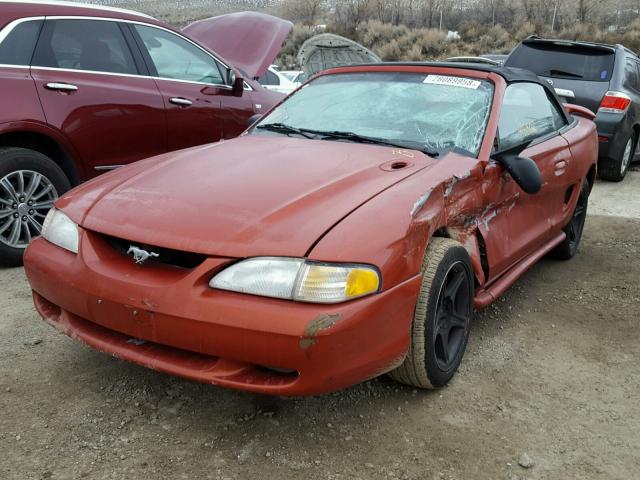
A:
(349, 233)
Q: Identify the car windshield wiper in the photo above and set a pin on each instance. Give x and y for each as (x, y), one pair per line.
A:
(553, 72)
(285, 129)
(354, 137)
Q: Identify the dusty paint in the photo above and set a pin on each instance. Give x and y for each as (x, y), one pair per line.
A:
(321, 322)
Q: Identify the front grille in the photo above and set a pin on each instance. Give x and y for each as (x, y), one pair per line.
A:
(166, 256)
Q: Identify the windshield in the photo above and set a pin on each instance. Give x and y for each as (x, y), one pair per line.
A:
(418, 110)
(572, 62)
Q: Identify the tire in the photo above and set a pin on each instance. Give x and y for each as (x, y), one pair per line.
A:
(569, 247)
(29, 184)
(615, 169)
(446, 263)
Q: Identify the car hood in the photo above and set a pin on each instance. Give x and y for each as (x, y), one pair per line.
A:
(250, 40)
(254, 195)
(328, 50)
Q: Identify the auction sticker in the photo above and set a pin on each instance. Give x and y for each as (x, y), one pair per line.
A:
(452, 81)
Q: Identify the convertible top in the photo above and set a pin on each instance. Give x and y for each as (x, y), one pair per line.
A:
(510, 74)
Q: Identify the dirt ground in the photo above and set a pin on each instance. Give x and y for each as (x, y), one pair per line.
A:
(551, 377)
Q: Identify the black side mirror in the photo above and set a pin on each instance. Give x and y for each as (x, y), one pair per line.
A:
(255, 118)
(523, 170)
(238, 86)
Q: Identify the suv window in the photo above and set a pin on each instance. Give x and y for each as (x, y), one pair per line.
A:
(527, 113)
(269, 78)
(93, 45)
(631, 75)
(176, 58)
(573, 62)
(17, 47)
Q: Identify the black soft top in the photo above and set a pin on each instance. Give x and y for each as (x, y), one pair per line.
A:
(510, 74)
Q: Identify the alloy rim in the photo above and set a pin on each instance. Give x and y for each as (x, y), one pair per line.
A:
(452, 316)
(626, 157)
(25, 198)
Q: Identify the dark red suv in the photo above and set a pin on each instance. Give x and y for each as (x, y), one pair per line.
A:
(86, 89)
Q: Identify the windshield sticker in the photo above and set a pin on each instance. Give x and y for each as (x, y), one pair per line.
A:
(452, 81)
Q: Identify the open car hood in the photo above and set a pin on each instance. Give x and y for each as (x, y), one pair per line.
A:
(328, 50)
(249, 40)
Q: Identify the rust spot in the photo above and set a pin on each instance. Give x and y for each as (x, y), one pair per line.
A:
(321, 322)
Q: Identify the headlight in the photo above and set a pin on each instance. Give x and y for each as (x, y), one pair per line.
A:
(298, 279)
(60, 230)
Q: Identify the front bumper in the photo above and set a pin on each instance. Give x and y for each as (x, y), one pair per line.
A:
(168, 319)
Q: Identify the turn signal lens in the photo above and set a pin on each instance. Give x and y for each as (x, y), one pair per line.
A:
(332, 283)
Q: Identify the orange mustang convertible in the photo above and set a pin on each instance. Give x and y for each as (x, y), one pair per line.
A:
(349, 233)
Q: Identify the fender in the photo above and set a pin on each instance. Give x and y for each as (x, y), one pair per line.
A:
(43, 129)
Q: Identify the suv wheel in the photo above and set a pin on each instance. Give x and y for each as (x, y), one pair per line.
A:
(29, 184)
(614, 169)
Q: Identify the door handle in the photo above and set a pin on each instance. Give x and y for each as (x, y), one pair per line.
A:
(183, 102)
(61, 87)
(561, 167)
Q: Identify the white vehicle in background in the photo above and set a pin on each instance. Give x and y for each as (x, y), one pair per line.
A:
(276, 81)
(296, 76)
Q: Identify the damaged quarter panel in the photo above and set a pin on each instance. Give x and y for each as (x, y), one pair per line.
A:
(407, 216)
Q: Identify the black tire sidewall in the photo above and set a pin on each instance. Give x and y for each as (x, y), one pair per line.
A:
(436, 376)
(13, 159)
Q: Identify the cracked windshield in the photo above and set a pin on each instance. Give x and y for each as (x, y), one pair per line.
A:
(422, 111)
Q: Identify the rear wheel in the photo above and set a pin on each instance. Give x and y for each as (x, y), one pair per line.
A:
(569, 247)
(615, 169)
(29, 184)
(442, 318)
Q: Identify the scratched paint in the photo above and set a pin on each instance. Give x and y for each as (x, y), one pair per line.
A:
(315, 326)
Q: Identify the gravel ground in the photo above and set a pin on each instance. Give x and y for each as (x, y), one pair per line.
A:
(548, 389)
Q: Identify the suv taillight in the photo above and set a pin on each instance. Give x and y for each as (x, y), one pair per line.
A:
(615, 102)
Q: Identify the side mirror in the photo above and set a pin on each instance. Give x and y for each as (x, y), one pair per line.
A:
(255, 118)
(238, 86)
(523, 170)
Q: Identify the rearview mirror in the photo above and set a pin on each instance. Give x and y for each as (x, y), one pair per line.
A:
(523, 170)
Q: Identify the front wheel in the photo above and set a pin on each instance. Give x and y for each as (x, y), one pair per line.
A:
(29, 184)
(442, 318)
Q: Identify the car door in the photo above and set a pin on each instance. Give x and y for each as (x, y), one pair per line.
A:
(192, 83)
(92, 89)
(516, 223)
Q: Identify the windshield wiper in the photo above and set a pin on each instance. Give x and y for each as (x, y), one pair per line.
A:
(284, 128)
(354, 137)
(553, 72)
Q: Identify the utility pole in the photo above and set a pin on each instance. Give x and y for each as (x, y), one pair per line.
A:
(553, 21)
(440, 27)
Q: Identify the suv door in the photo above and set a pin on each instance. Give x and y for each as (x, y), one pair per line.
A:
(192, 83)
(524, 222)
(91, 88)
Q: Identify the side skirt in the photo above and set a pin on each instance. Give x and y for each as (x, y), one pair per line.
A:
(495, 289)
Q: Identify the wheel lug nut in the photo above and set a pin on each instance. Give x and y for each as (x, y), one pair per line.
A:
(21, 199)
(30, 202)
(15, 205)
(31, 212)
(24, 218)
(16, 215)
